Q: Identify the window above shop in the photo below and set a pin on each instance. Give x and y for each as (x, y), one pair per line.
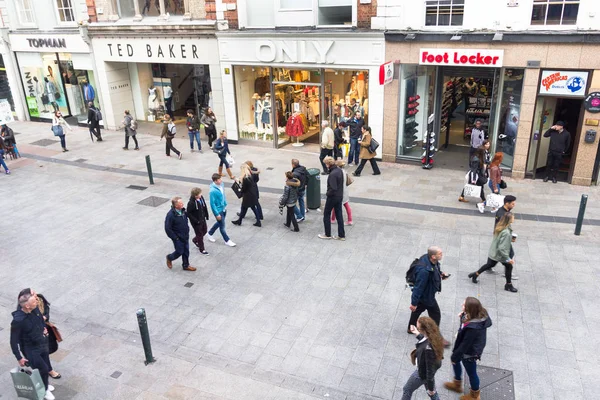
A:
(65, 10)
(554, 12)
(25, 12)
(284, 13)
(444, 12)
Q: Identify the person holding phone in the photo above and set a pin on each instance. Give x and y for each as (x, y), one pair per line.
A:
(560, 141)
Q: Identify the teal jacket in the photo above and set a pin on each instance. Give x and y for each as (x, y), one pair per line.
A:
(500, 248)
(218, 203)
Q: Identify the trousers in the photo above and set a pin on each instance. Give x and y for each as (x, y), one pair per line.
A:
(373, 165)
(220, 225)
(134, 139)
(182, 249)
(290, 218)
(324, 153)
(433, 310)
(413, 383)
(334, 204)
(41, 362)
(471, 370)
(199, 232)
(508, 267)
(194, 135)
(169, 146)
(553, 164)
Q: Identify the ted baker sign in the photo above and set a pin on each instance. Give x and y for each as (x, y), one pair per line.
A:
(462, 57)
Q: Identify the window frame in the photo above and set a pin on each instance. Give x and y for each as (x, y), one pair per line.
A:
(353, 22)
(21, 10)
(57, 10)
(547, 4)
(452, 6)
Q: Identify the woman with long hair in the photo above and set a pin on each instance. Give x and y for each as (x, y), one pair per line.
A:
(250, 195)
(427, 356)
(58, 127)
(496, 173)
(221, 147)
(288, 200)
(484, 149)
(255, 175)
(208, 119)
(500, 251)
(468, 346)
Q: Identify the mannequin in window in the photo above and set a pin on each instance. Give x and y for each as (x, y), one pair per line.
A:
(50, 91)
(168, 95)
(352, 92)
(89, 94)
(258, 109)
(153, 103)
(266, 114)
(39, 91)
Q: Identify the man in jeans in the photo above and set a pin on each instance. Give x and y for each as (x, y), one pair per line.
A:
(177, 229)
(193, 126)
(218, 205)
(300, 173)
(335, 192)
(355, 124)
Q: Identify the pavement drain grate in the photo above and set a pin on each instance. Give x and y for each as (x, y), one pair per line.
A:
(189, 284)
(116, 374)
(80, 160)
(270, 168)
(44, 142)
(136, 187)
(495, 383)
(153, 201)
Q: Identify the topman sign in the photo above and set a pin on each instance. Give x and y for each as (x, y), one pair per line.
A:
(52, 43)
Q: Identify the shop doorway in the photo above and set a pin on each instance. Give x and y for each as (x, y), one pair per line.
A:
(548, 111)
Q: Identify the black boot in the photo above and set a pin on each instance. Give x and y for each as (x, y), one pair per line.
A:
(546, 179)
(257, 223)
(473, 277)
(510, 288)
(237, 222)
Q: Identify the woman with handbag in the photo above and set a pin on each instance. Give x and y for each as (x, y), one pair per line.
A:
(256, 177)
(345, 193)
(495, 182)
(468, 346)
(485, 147)
(249, 192)
(288, 200)
(58, 125)
(500, 251)
(221, 147)
(365, 153)
(130, 130)
(208, 120)
(427, 356)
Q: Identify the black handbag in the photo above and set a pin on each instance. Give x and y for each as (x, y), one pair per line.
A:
(237, 189)
(57, 95)
(373, 145)
(503, 184)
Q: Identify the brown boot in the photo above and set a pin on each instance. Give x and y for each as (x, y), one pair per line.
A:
(455, 386)
(463, 200)
(473, 395)
(221, 171)
(230, 174)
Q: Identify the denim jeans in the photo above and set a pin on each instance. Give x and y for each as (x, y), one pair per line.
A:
(196, 135)
(63, 142)
(354, 151)
(471, 370)
(300, 209)
(412, 384)
(182, 249)
(492, 188)
(2, 163)
(223, 161)
(220, 225)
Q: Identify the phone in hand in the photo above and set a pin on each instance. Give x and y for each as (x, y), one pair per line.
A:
(444, 277)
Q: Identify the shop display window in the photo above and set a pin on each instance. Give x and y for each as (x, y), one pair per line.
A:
(253, 89)
(512, 89)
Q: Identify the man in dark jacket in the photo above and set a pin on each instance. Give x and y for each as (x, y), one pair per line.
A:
(9, 139)
(29, 338)
(335, 190)
(94, 122)
(301, 174)
(560, 141)
(197, 213)
(428, 282)
(338, 139)
(177, 229)
(355, 125)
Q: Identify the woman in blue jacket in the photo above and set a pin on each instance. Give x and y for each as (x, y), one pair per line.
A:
(221, 147)
(468, 346)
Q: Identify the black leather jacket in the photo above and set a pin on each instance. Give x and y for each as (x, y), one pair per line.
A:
(427, 364)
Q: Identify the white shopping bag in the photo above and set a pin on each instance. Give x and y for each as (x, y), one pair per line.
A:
(494, 200)
(472, 191)
(230, 160)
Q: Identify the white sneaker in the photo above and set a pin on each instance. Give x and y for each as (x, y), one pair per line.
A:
(493, 210)
(49, 395)
(210, 238)
(481, 207)
(350, 164)
(50, 388)
(230, 243)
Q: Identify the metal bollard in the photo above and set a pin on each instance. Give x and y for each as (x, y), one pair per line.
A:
(143, 324)
(582, 204)
(149, 168)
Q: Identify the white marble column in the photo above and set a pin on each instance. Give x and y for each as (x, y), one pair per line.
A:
(136, 7)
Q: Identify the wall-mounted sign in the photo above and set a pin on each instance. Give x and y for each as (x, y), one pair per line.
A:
(592, 102)
(462, 57)
(301, 51)
(563, 83)
(48, 42)
(386, 73)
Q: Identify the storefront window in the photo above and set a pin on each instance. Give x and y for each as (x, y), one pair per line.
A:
(416, 91)
(253, 87)
(5, 93)
(80, 86)
(509, 114)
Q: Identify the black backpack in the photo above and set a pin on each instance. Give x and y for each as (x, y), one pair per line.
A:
(410, 274)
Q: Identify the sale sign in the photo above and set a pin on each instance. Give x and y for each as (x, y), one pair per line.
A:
(462, 57)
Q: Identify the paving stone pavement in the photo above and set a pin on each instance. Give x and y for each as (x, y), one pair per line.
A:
(282, 315)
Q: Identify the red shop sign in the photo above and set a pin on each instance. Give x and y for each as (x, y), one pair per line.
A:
(462, 57)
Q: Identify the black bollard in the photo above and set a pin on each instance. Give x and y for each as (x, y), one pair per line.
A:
(582, 205)
(143, 324)
(149, 168)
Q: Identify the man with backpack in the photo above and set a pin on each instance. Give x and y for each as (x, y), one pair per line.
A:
(168, 132)
(94, 117)
(426, 278)
(301, 174)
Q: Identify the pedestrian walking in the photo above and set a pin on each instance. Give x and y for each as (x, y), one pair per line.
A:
(500, 251)
(288, 200)
(130, 125)
(221, 147)
(510, 202)
(495, 175)
(168, 132)
(365, 153)
(29, 339)
(427, 356)
(218, 206)
(249, 192)
(3, 151)
(256, 177)
(485, 147)
(193, 126)
(177, 229)
(327, 142)
(428, 278)
(560, 142)
(346, 193)
(468, 346)
(335, 195)
(355, 125)
(93, 119)
(9, 140)
(210, 129)
(477, 176)
(477, 137)
(197, 213)
(338, 140)
(58, 128)
(301, 175)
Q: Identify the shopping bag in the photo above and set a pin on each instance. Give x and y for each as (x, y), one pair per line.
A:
(230, 160)
(494, 200)
(472, 190)
(237, 189)
(345, 149)
(28, 383)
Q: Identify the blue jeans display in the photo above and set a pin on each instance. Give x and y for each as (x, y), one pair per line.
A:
(471, 369)
(194, 135)
(182, 249)
(300, 209)
(220, 225)
(354, 151)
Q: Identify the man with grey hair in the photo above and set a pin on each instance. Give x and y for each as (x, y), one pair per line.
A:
(29, 339)
(177, 229)
(428, 281)
(327, 141)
